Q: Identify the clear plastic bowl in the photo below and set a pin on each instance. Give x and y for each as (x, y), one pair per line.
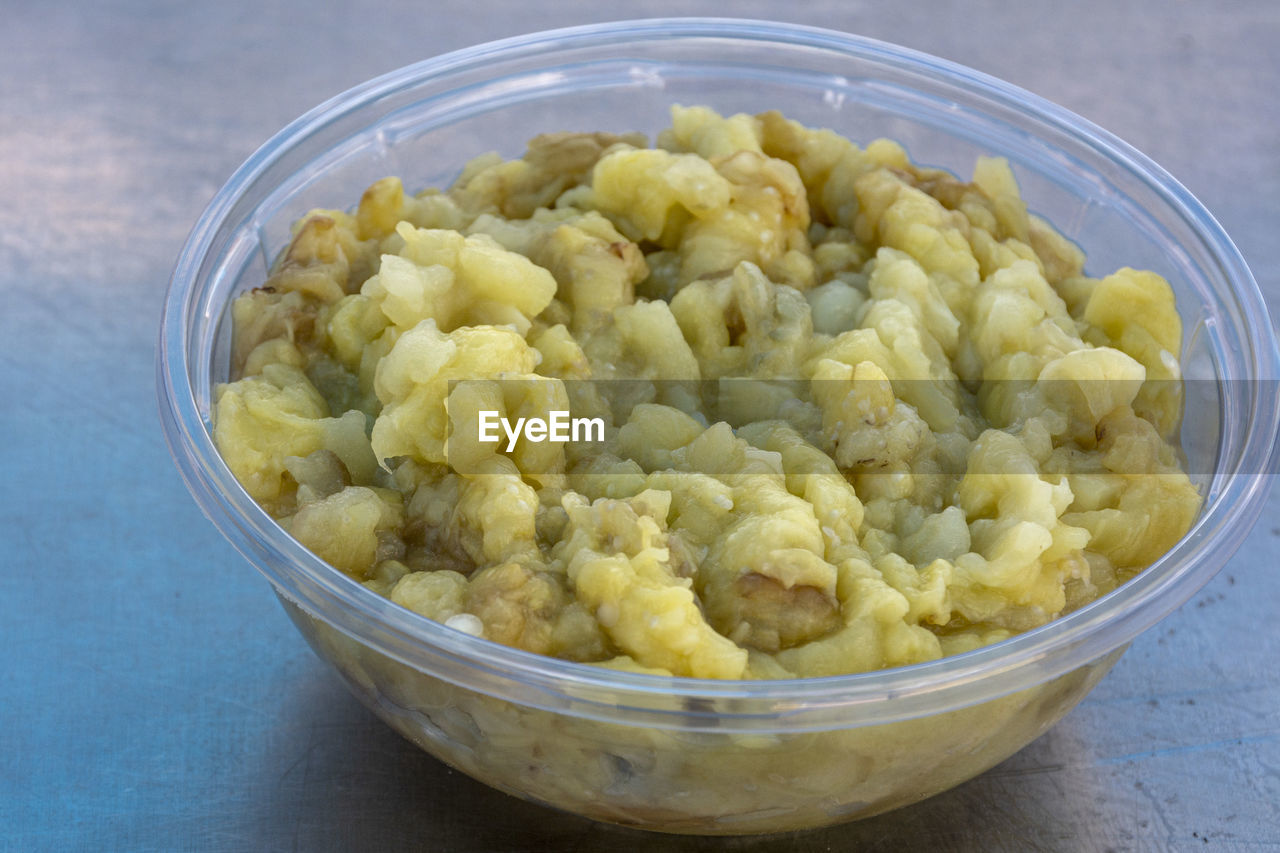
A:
(716, 757)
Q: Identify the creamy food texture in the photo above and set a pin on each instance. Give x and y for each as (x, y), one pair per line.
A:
(857, 413)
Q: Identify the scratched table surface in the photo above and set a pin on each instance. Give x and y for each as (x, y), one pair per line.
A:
(153, 696)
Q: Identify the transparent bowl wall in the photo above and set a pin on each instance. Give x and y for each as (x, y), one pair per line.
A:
(679, 754)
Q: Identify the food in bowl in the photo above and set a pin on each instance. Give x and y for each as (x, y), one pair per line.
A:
(752, 403)
(720, 756)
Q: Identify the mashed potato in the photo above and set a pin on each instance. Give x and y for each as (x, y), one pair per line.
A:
(856, 413)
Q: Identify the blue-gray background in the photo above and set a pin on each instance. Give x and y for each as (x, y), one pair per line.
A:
(153, 694)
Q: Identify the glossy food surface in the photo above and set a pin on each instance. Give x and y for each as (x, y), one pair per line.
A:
(852, 413)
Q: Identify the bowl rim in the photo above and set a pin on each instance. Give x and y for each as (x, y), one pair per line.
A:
(1022, 661)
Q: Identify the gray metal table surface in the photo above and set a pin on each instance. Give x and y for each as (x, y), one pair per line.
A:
(155, 697)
